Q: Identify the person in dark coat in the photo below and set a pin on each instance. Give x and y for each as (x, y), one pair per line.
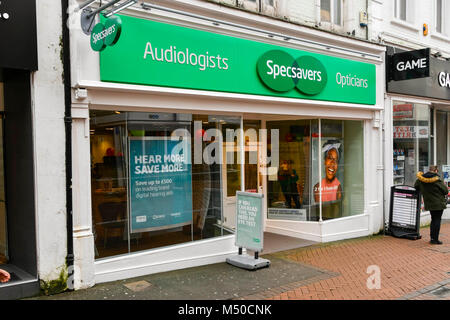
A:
(288, 181)
(434, 192)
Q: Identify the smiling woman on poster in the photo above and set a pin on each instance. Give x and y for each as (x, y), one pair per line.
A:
(331, 187)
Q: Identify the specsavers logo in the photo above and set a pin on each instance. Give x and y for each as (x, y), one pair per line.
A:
(107, 34)
(281, 72)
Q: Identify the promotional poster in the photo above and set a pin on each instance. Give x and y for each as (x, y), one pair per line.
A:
(332, 180)
(160, 183)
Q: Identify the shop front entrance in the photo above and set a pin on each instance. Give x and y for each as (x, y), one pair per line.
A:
(247, 177)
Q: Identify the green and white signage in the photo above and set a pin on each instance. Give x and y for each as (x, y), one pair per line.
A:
(106, 34)
(249, 228)
(159, 54)
(281, 72)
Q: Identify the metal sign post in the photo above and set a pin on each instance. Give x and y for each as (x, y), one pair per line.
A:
(249, 231)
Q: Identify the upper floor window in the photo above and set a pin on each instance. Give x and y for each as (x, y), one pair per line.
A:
(405, 10)
(265, 6)
(400, 9)
(441, 8)
(331, 11)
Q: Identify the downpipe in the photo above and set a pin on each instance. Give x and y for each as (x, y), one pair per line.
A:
(68, 131)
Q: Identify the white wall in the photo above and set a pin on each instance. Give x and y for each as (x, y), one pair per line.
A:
(392, 31)
(307, 12)
(49, 143)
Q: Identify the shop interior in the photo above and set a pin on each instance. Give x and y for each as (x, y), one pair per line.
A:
(420, 138)
(294, 190)
(110, 186)
(411, 141)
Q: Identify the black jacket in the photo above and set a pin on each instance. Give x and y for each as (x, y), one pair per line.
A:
(433, 190)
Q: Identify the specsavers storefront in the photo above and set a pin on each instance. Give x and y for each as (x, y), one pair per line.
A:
(174, 115)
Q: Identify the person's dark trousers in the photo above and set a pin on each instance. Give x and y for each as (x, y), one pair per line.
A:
(435, 224)
(288, 198)
(296, 199)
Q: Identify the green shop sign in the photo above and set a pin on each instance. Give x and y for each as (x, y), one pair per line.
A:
(159, 54)
(281, 72)
(106, 34)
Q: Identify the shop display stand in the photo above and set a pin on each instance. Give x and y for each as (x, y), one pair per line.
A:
(248, 262)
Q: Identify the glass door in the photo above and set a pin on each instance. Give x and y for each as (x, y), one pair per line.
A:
(237, 177)
(441, 145)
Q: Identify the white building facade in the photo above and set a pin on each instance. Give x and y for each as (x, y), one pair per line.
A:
(33, 210)
(409, 26)
(288, 99)
(207, 71)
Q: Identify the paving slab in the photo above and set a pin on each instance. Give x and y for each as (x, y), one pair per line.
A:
(211, 282)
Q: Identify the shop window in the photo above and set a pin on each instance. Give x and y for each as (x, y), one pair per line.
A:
(148, 189)
(442, 146)
(320, 173)
(411, 141)
(330, 11)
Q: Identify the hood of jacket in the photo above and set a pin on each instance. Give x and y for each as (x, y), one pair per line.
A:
(428, 177)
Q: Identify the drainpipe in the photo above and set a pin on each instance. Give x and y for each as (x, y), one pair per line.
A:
(369, 16)
(68, 129)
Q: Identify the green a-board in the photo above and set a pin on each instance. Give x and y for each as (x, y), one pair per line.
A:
(249, 227)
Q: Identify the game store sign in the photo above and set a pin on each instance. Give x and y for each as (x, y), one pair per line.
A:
(160, 54)
(432, 82)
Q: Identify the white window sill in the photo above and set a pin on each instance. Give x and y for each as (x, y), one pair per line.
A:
(405, 25)
(440, 36)
(331, 26)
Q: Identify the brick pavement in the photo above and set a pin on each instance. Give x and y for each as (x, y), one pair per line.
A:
(410, 269)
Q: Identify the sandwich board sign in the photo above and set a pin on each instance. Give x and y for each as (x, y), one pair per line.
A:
(404, 213)
(249, 230)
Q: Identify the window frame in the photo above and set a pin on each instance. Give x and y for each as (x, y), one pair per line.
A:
(410, 12)
(332, 22)
(259, 6)
(444, 32)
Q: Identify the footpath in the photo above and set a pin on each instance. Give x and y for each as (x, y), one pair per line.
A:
(370, 268)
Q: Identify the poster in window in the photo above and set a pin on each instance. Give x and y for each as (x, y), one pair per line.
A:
(331, 186)
(160, 183)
